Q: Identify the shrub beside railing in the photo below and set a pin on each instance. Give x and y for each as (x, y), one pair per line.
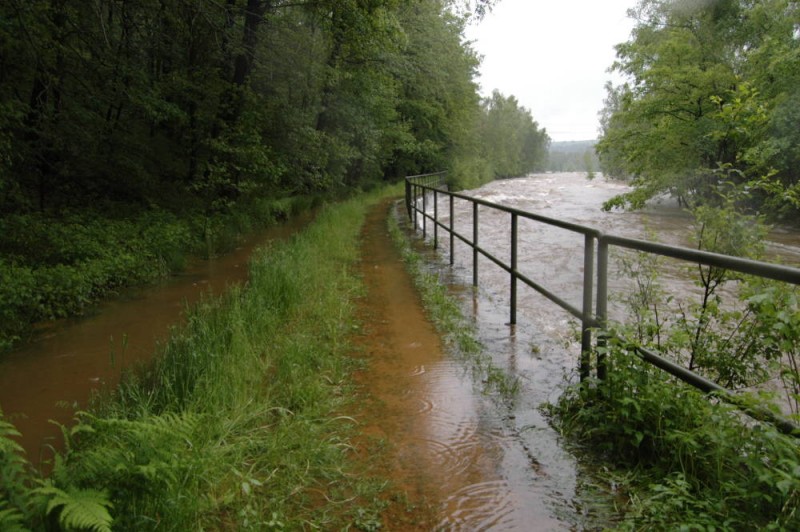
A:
(422, 200)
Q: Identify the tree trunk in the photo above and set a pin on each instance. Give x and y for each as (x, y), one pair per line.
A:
(253, 16)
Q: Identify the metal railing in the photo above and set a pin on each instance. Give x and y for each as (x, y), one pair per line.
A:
(593, 312)
(413, 183)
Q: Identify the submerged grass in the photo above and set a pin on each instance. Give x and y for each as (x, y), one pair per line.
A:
(235, 425)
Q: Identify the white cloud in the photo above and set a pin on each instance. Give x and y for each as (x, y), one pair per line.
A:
(553, 56)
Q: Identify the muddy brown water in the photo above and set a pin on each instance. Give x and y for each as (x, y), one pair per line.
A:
(54, 374)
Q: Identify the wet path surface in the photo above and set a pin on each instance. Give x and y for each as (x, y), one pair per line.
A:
(54, 374)
(458, 453)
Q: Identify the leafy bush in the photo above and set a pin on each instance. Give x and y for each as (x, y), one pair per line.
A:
(698, 462)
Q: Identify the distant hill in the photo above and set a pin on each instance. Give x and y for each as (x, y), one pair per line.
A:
(573, 156)
(572, 146)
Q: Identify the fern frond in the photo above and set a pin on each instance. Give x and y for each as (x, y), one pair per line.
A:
(80, 508)
(169, 425)
(11, 519)
(15, 479)
(8, 431)
(129, 456)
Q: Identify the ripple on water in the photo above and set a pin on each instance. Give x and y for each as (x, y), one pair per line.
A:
(425, 454)
(481, 506)
(423, 405)
(496, 505)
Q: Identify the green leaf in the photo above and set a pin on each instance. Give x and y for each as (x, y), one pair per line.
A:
(80, 508)
(11, 519)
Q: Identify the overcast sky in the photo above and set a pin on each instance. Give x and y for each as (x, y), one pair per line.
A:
(553, 56)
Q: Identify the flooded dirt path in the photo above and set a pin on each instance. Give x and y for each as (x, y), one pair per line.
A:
(457, 453)
(53, 375)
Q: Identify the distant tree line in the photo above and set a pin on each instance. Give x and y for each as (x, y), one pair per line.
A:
(710, 104)
(179, 103)
(512, 141)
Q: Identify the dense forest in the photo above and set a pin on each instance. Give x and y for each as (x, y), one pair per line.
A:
(133, 132)
(710, 105)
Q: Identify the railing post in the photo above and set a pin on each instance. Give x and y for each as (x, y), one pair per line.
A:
(602, 304)
(416, 222)
(452, 236)
(586, 318)
(435, 219)
(474, 244)
(408, 198)
(514, 222)
(424, 214)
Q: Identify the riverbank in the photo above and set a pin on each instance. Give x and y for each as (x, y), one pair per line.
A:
(238, 423)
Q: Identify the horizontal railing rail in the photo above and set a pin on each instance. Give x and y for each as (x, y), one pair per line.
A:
(593, 311)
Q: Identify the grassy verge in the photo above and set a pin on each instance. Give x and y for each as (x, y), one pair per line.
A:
(236, 425)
